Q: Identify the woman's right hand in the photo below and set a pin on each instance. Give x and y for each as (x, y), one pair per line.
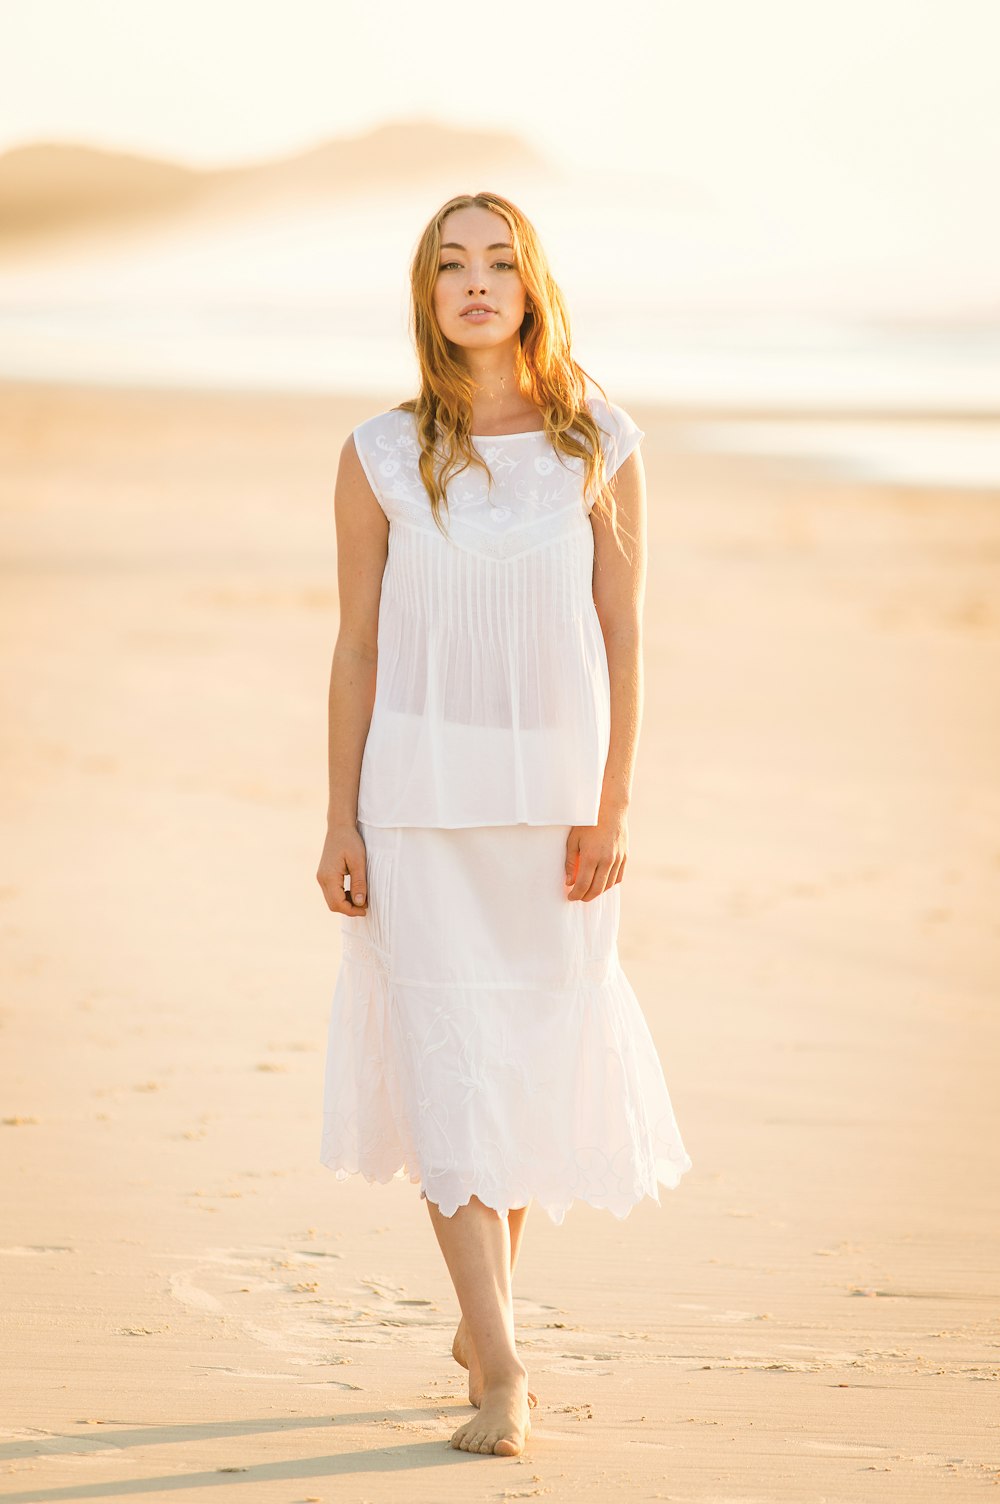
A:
(343, 853)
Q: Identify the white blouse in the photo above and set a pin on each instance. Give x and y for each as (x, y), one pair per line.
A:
(492, 698)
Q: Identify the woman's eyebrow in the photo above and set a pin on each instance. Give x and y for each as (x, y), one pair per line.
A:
(453, 245)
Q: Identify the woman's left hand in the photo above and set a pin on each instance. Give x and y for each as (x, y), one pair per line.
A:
(596, 855)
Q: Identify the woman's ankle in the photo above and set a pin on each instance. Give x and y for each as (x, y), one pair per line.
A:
(508, 1371)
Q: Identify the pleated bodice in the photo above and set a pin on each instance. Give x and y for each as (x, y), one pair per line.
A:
(492, 701)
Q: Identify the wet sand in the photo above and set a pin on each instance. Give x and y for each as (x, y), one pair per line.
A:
(809, 920)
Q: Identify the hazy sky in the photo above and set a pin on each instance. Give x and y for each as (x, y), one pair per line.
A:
(839, 151)
(863, 106)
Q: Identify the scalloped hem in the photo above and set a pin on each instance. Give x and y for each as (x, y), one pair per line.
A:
(669, 1175)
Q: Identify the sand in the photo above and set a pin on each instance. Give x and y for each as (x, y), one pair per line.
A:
(809, 919)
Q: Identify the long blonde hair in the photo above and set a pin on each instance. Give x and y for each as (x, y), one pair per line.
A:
(546, 371)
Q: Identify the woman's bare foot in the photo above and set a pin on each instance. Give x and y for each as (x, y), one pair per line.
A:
(502, 1426)
(464, 1353)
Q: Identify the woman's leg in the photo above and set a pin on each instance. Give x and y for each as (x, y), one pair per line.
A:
(462, 1346)
(476, 1245)
(515, 1220)
(462, 1349)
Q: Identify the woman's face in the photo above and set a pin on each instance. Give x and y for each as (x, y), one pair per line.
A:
(476, 267)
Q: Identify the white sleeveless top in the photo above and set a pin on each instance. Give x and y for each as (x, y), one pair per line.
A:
(492, 698)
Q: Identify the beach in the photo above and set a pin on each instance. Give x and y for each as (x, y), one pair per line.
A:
(809, 920)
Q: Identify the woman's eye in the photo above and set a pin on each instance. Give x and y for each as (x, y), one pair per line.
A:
(447, 265)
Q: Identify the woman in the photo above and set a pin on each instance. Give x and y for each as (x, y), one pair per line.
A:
(485, 702)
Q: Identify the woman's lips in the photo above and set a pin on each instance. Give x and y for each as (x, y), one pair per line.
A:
(478, 315)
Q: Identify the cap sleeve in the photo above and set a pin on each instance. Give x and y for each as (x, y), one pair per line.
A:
(620, 433)
(365, 437)
(625, 433)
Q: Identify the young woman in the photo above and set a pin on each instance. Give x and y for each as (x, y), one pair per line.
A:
(485, 703)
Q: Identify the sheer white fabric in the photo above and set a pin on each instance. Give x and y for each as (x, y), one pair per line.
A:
(492, 702)
(484, 1039)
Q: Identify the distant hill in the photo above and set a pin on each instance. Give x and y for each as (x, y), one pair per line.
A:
(49, 188)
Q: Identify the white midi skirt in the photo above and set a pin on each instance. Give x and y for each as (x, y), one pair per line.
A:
(484, 1039)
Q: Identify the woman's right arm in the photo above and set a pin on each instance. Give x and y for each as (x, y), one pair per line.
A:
(362, 549)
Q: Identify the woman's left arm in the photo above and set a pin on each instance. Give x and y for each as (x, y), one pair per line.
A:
(619, 594)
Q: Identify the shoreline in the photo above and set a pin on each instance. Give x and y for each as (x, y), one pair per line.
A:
(692, 411)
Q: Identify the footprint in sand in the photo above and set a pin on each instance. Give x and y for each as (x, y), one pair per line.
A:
(36, 1250)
